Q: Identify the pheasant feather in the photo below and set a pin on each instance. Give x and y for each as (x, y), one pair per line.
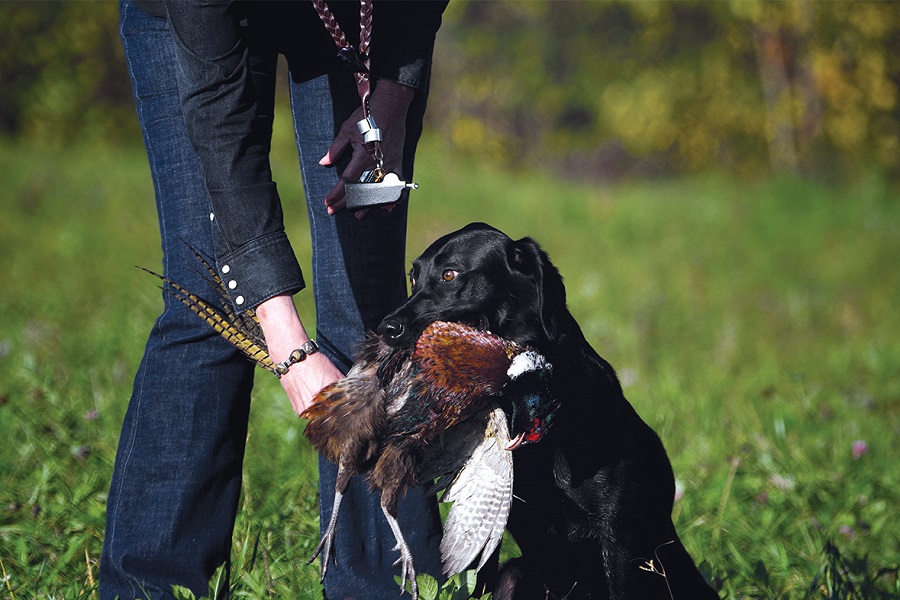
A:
(475, 469)
(225, 322)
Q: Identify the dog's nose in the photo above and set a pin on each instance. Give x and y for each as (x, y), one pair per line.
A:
(391, 329)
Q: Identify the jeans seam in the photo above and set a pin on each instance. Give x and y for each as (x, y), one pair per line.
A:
(312, 221)
(127, 454)
(139, 387)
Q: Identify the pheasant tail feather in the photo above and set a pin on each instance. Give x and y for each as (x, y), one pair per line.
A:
(225, 323)
(246, 321)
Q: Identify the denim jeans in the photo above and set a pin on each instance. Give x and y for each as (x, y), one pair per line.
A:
(177, 476)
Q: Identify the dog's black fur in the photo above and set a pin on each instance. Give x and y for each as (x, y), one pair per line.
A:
(594, 498)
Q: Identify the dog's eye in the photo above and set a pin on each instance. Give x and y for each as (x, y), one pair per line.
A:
(449, 275)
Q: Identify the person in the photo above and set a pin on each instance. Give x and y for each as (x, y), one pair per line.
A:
(203, 77)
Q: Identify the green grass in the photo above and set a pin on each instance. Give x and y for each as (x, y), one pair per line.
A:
(755, 327)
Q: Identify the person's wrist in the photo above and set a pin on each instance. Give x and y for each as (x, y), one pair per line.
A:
(396, 94)
(280, 307)
(282, 329)
(297, 355)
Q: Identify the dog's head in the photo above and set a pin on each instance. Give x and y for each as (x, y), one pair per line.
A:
(480, 276)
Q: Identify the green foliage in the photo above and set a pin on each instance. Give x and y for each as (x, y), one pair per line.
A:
(596, 88)
(610, 87)
(852, 578)
(62, 72)
(216, 588)
(459, 587)
(754, 326)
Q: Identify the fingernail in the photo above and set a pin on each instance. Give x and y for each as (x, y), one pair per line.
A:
(324, 161)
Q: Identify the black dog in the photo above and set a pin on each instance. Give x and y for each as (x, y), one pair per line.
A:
(593, 515)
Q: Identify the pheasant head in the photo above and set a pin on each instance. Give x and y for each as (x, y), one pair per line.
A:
(528, 399)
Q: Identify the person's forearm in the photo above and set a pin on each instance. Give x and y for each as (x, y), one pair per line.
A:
(227, 108)
(403, 40)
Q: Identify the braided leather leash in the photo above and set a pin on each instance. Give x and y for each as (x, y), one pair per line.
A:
(359, 60)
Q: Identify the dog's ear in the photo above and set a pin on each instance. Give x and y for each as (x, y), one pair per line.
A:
(527, 257)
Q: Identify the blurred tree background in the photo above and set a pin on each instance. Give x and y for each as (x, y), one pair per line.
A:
(62, 72)
(612, 87)
(598, 89)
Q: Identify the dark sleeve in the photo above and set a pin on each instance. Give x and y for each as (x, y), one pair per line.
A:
(403, 35)
(227, 97)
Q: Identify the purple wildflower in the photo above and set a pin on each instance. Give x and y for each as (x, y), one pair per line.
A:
(859, 449)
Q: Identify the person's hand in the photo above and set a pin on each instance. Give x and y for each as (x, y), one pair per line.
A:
(284, 333)
(388, 106)
(305, 379)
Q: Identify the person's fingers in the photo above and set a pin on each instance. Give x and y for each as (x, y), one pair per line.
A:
(341, 143)
(389, 104)
(304, 381)
(361, 161)
(335, 201)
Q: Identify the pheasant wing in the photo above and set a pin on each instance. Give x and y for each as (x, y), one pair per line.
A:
(481, 494)
(454, 449)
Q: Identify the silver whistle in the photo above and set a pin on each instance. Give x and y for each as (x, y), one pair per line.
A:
(368, 192)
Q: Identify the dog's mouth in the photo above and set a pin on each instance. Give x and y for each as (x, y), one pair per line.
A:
(479, 322)
(483, 324)
(404, 339)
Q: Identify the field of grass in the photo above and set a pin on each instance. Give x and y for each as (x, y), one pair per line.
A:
(754, 325)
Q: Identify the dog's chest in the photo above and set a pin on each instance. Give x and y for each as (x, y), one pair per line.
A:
(584, 498)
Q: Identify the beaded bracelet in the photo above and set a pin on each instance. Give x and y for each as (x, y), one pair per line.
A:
(300, 354)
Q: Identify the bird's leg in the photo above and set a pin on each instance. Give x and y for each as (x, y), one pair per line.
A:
(408, 572)
(326, 544)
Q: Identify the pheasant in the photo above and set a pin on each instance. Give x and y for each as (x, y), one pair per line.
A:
(439, 413)
(435, 411)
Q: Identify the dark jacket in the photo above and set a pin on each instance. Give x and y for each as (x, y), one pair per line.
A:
(227, 54)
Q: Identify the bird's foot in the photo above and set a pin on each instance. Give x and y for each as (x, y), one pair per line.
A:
(407, 570)
(326, 544)
(326, 550)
